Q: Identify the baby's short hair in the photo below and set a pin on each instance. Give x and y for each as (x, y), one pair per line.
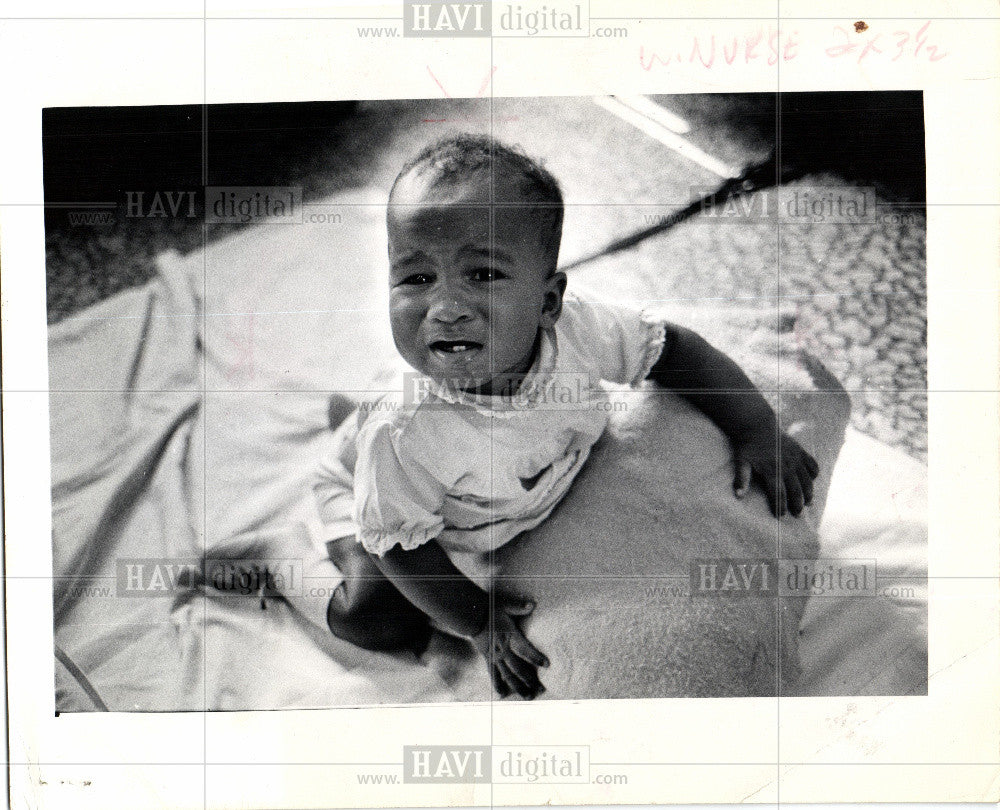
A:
(458, 157)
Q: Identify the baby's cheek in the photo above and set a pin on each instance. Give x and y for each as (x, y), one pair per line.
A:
(406, 333)
(519, 321)
(405, 314)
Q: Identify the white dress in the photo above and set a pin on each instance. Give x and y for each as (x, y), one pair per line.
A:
(475, 471)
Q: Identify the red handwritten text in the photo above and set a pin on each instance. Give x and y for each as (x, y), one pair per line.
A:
(771, 45)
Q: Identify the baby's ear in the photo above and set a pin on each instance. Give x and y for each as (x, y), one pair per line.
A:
(552, 305)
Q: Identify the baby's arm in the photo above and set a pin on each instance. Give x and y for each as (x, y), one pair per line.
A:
(430, 580)
(714, 384)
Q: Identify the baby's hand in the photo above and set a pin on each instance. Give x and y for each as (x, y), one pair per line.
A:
(757, 454)
(512, 659)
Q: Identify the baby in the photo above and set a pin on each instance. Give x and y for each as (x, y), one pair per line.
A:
(487, 450)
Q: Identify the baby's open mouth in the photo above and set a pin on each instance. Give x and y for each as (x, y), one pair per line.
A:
(455, 346)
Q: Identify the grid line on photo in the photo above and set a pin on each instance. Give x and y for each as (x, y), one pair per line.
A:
(778, 613)
(607, 204)
(348, 764)
(627, 577)
(766, 390)
(204, 398)
(642, 18)
(492, 361)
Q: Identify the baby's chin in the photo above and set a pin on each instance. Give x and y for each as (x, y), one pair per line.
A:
(468, 381)
(454, 378)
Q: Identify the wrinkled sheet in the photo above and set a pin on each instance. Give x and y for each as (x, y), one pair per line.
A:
(186, 416)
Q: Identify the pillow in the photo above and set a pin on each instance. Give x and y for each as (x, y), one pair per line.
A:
(609, 570)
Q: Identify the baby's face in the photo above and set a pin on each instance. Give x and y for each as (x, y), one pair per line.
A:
(465, 304)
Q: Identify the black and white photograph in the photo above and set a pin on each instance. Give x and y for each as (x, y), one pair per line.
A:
(413, 401)
(487, 404)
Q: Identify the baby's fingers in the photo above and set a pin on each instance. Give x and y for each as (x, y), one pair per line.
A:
(510, 682)
(744, 473)
(502, 687)
(521, 647)
(521, 684)
(526, 673)
(776, 496)
(811, 464)
(806, 482)
(794, 493)
(518, 607)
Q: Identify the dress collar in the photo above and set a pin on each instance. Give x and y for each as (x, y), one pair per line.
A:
(528, 393)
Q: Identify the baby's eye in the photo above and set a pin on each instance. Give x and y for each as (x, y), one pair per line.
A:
(415, 279)
(486, 274)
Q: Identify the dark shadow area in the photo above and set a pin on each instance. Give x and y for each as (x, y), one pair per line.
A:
(125, 183)
(874, 139)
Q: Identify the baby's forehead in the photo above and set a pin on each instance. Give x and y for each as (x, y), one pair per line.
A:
(430, 185)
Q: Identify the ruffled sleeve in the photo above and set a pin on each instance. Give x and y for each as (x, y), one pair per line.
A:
(333, 482)
(624, 342)
(397, 501)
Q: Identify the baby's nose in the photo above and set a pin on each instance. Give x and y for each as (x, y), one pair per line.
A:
(450, 309)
